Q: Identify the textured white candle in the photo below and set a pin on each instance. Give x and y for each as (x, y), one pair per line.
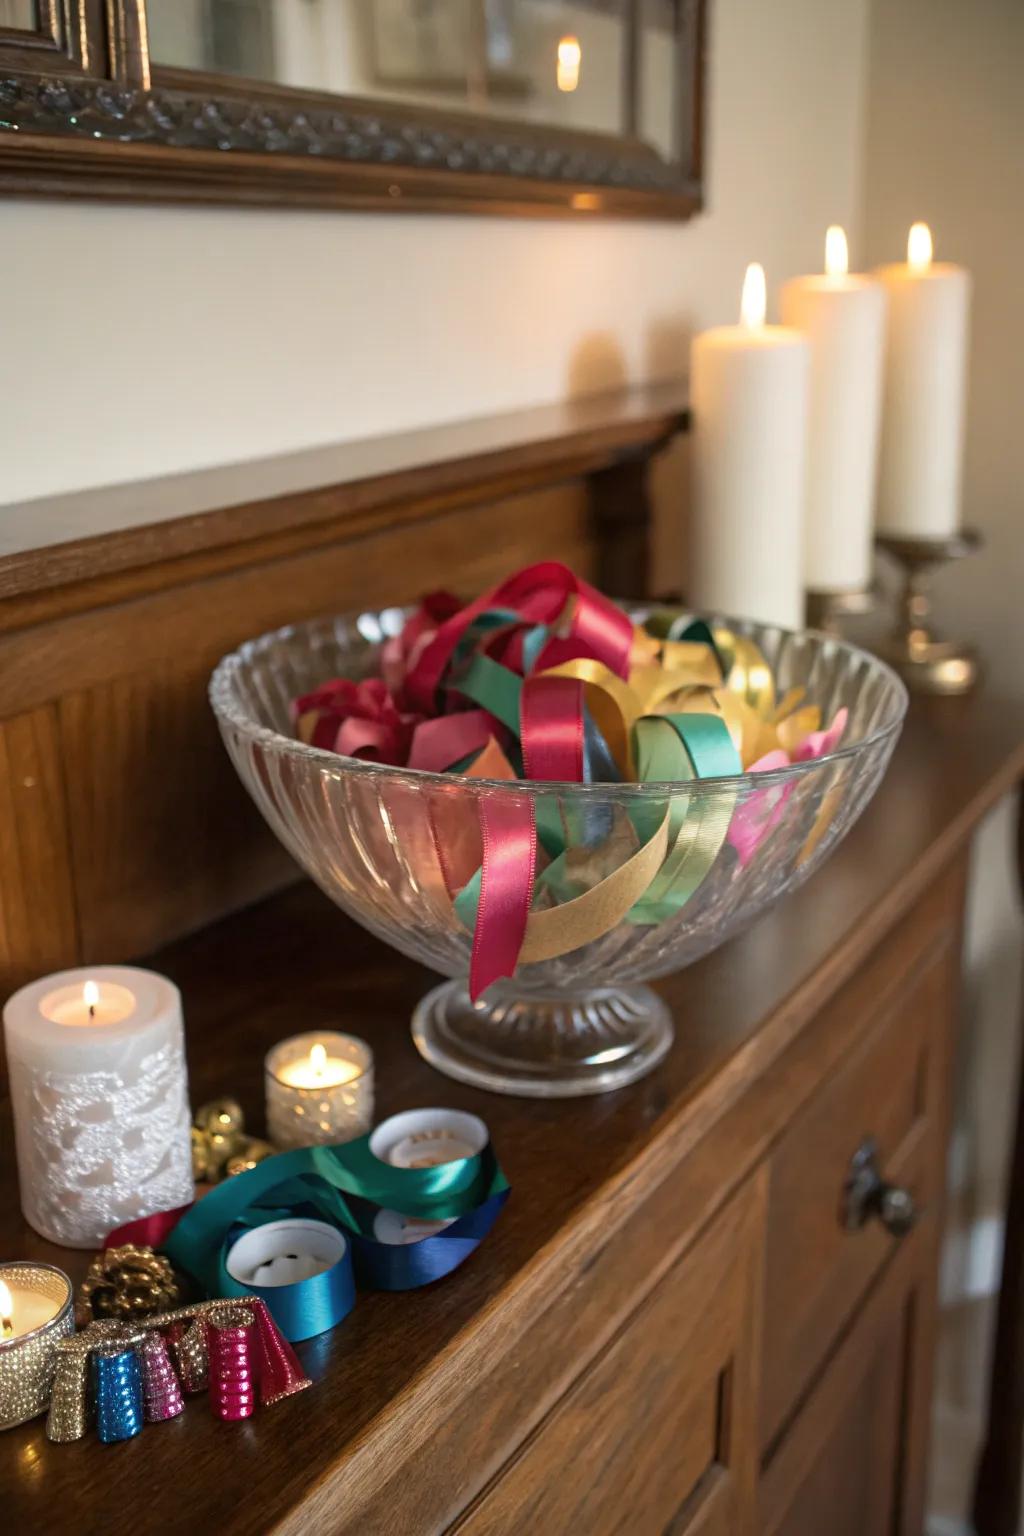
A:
(748, 391)
(100, 1097)
(843, 318)
(925, 389)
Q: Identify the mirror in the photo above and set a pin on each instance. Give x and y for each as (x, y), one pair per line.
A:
(501, 105)
(564, 65)
(19, 15)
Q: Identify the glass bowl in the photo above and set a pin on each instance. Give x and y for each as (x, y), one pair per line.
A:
(383, 842)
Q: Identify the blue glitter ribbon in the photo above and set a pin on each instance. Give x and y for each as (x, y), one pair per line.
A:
(117, 1378)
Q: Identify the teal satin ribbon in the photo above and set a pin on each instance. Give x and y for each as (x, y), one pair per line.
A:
(344, 1185)
(305, 1307)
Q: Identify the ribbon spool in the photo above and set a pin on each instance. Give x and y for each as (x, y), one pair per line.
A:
(428, 1138)
(302, 1269)
(348, 1188)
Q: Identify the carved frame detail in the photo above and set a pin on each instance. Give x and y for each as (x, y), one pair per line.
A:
(185, 136)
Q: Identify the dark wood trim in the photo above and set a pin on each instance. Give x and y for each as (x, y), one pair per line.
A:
(112, 127)
(297, 500)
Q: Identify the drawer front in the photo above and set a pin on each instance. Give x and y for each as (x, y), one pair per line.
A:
(817, 1270)
(657, 1437)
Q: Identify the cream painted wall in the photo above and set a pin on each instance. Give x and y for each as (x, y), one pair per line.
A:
(182, 338)
(945, 142)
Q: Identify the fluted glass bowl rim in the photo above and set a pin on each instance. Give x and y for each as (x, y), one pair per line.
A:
(227, 710)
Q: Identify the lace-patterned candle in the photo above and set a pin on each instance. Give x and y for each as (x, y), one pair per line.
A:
(100, 1096)
(319, 1089)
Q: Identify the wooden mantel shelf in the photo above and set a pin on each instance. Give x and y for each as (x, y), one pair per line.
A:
(294, 500)
(417, 1395)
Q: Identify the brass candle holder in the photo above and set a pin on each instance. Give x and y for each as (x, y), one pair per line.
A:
(825, 610)
(926, 662)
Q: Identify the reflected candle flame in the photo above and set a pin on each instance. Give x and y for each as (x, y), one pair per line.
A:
(754, 302)
(570, 56)
(919, 247)
(837, 254)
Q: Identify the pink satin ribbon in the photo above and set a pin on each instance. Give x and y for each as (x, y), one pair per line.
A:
(551, 732)
(437, 744)
(538, 595)
(506, 888)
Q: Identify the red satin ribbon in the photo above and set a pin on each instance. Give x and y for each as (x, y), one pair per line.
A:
(147, 1231)
(506, 888)
(538, 594)
(551, 728)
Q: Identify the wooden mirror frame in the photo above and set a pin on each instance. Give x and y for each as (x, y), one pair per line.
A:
(84, 113)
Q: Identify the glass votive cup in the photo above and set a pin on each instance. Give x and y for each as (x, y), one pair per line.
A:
(319, 1089)
(41, 1296)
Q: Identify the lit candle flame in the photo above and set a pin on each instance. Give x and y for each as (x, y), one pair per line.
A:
(570, 56)
(837, 255)
(318, 1059)
(91, 996)
(919, 247)
(754, 301)
(6, 1310)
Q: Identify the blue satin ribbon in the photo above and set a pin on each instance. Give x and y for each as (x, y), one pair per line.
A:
(345, 1185)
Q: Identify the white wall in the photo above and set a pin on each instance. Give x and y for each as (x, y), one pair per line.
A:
(178, 338)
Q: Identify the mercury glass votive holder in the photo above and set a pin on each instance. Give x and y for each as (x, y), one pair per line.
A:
(41, 1313)
(319, 1089)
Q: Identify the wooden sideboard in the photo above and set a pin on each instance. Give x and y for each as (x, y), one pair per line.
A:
(673, 1329)
(669, 1329)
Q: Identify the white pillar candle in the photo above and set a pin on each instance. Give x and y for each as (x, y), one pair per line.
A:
(925, 390)
(100, 1097)
(843, 317)
(319, 1089)
(748, 391)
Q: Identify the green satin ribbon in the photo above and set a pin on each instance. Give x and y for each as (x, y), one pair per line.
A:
(322, 1177)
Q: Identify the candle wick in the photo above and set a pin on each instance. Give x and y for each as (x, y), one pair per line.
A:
(8, 1327)
(92, 1010)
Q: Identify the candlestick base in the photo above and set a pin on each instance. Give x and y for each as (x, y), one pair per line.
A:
(825, 610)
(926, 662)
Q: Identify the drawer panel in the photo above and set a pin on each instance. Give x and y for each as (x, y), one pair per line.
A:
(658, 1436)
(816, 1272)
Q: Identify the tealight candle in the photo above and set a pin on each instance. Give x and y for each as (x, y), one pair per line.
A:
(36, 1312)
(100, 1097)
(319, 1089)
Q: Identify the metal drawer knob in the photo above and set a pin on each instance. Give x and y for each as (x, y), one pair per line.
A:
(867, 1194)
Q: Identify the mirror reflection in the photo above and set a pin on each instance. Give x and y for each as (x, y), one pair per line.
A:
(20, 15)
(600, 65)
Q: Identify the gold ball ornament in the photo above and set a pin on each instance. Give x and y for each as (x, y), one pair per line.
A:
(223, 1124)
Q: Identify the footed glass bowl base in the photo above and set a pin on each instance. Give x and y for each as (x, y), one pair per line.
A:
(543, 1047)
